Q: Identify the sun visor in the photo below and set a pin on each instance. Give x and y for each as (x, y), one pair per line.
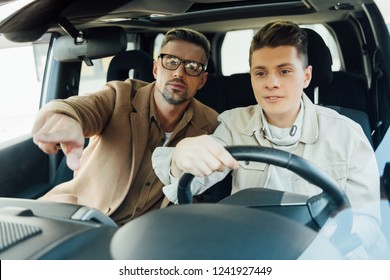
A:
(92, 44)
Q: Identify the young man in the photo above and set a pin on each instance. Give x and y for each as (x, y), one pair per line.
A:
(284, 119)
(127, 121)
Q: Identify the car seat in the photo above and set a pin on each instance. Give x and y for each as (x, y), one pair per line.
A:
(123, 63)
(334, 89)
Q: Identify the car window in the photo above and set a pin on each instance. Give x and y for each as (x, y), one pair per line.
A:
(21, 72)
(234, 51)
(235, 55)
(92, 78)
(384, 7)
(157, 45)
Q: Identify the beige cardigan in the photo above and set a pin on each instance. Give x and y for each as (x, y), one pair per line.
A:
(118, 118)
(329, 140)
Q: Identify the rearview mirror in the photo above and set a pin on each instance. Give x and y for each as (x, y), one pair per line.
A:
(92, 43)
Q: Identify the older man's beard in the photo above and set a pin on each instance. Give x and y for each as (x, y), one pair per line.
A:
(169, 97)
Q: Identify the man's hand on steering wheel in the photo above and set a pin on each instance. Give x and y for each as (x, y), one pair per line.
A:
(201, 156)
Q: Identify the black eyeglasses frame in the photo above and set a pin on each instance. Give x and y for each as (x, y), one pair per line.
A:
(182, 61)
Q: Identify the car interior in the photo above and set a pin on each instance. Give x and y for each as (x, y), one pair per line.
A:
(122, 37)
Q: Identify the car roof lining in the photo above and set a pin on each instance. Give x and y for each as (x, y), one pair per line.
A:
(23, 25)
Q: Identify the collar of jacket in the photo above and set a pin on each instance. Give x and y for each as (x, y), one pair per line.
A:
(309, 127)
(142, 93)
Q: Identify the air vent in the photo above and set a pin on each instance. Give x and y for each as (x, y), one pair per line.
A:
(12, 233)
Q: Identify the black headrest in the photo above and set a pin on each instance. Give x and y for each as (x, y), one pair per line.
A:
(137, 60)
(319, 58)
(240, 91)
(211, 67)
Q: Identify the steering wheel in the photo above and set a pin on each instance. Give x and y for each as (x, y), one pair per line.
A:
(335, 199)
(223, 231)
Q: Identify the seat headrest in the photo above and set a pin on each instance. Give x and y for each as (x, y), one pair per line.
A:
(137, 60)
(211, 67)
(319, 58)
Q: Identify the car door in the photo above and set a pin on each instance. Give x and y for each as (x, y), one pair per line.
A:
(24, 168)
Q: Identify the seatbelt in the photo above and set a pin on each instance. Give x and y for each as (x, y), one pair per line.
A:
(316, 96)
(377, 77)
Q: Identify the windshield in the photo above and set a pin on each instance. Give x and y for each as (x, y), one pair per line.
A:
(9, 8)
(384, 7)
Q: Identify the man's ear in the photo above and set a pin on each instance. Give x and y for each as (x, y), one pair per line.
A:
(155, 69)
(307, 79)
(203, 80)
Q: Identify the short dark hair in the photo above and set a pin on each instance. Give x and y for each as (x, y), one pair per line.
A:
(188, 35)
(280, 33)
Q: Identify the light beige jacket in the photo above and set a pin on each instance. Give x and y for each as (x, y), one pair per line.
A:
(118, 116)
(329, 140)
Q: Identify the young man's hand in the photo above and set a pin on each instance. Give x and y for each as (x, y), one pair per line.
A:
(52, 131)
(200, 156)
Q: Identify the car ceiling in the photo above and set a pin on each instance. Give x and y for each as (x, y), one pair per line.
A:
(39, 16)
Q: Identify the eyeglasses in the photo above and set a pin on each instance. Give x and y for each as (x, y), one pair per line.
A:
(171, 62)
